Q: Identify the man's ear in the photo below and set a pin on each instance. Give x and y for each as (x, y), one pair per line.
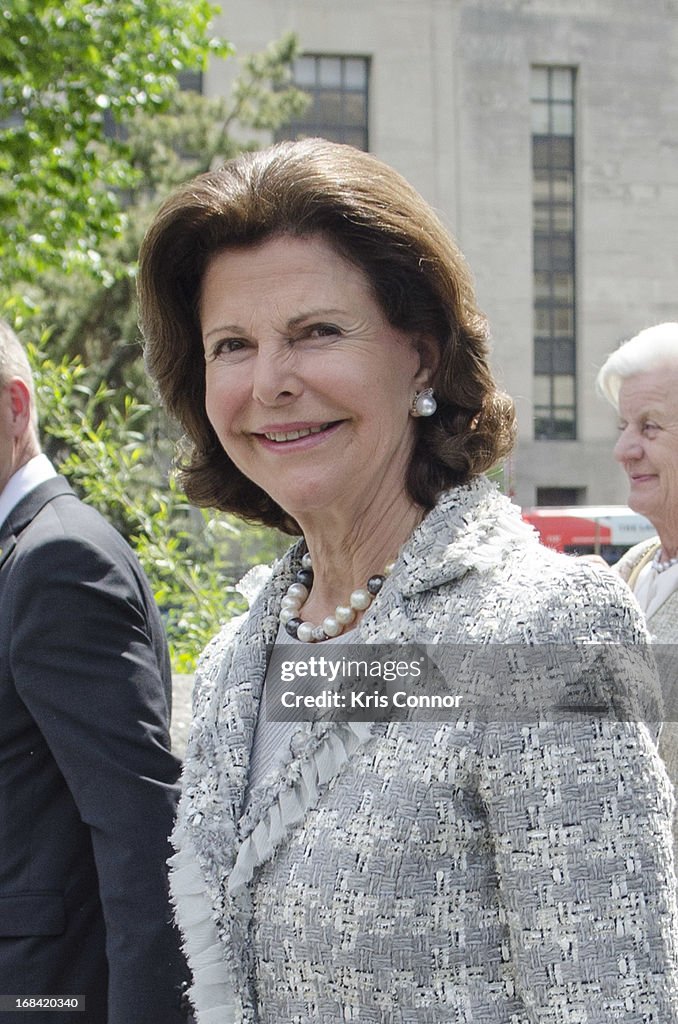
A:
(19, 406)
(429, 360)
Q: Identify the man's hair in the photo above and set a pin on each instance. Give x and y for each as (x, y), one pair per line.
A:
(373, 218)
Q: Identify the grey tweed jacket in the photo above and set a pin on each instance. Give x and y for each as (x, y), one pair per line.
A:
(476, 869)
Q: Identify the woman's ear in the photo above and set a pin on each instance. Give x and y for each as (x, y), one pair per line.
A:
(429, 360)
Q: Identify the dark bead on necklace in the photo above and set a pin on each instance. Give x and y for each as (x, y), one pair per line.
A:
(305, 576)
(375, 583)
(292, 625)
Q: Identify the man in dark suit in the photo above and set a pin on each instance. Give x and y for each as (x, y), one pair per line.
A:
(88, 784)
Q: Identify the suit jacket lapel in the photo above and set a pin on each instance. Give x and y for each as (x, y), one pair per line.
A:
(7, 545)
(33, 502)
(26, 510)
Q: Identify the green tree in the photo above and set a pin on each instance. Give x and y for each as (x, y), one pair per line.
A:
(88, 148)
(70, 71)
(94, 315)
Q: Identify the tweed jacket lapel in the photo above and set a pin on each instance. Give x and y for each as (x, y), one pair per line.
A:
(228, 696)
(232, 698)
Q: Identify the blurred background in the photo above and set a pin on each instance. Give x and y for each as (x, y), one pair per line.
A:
(544, 133)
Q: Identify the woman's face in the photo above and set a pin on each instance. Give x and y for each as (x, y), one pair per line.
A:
(307, 385)
(648, 444)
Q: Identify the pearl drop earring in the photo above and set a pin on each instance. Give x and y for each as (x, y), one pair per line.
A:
(423, 403)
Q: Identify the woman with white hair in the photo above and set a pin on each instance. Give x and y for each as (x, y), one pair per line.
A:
(640, 379)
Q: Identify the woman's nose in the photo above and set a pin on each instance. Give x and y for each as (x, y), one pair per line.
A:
(628, 447)
(275, 379)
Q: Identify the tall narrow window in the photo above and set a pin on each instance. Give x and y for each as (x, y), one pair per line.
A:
(337, 87)
(553, 178)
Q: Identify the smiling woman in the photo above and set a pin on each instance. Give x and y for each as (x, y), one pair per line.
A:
(313, 327)
(640, 379)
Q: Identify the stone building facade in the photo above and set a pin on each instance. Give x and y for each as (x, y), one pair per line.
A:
(545, 134)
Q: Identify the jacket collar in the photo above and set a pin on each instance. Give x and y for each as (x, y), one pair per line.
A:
(26, 510)
(32, 503)
(470, 527)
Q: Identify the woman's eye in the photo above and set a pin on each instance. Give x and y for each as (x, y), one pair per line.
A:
(650, 428)
(227, 346)
(322, 330)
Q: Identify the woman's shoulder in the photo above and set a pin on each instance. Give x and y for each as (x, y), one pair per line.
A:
(477, 548)
(634, 556)
(580, 600)
(524, 592)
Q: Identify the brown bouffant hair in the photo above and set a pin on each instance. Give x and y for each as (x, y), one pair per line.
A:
(373, 218)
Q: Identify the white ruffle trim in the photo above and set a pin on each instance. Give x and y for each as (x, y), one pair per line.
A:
(483, 548)
(212, 993)
(290, 806)
(254, 580)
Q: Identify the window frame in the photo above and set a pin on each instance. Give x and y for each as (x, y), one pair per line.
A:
(343, 129)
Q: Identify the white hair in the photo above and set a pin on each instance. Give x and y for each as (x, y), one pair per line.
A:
(655, 346)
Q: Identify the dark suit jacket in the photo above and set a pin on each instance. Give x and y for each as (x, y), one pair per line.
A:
(88, 785)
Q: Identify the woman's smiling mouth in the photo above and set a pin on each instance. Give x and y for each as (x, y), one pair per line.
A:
(293, 435)
(296, 436)
(641, 478)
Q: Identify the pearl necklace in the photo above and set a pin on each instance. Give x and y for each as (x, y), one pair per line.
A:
(660, 566)
(332, 625)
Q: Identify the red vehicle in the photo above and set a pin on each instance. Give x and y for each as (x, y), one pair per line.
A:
(606, 530)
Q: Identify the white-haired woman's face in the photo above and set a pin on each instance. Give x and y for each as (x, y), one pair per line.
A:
(648, 444)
